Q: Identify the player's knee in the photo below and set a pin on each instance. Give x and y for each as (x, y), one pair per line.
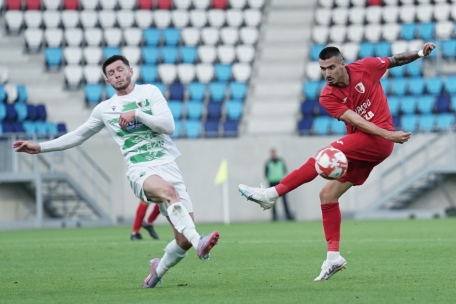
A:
(169, 193)
(326, 196)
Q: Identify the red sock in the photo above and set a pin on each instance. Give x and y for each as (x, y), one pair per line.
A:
(331, 224)
(154, 214)
(140, 214)
(304, 174)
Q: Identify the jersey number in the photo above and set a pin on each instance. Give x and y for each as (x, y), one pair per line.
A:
(368, 116)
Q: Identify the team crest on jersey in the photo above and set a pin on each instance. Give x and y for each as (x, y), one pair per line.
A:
(360, 87)
(141, 103)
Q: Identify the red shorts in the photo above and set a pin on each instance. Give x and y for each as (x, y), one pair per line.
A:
(363, 152)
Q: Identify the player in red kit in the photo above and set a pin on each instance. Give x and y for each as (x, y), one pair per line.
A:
(354, 95)
(146, 224)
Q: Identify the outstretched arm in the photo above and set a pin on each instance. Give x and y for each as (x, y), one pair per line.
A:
(407, 57)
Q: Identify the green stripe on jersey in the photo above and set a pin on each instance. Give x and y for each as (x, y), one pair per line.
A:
(137, 139)
(146, 157)
(122, 133)
(134, 105)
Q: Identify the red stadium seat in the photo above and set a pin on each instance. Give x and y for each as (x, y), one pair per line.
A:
(375, 2)
(164, 4)
(70, 4)
(145, 4)
(13, 4)
(33, 4)
(219, 4)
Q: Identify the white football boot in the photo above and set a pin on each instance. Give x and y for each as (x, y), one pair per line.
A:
(328, 269)
(257, 195)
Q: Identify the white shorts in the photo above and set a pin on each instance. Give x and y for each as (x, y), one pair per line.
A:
(169, 172)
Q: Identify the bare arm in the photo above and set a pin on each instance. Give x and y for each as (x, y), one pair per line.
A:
(350, 117)
(407, 57)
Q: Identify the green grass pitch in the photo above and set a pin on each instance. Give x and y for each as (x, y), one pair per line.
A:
(388, 262)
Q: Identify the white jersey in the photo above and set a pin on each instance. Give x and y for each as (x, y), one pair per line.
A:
(139, 144)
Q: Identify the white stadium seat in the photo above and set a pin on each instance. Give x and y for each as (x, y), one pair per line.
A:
(53, 37)
(204, 72)
(249, 35)
(92, 73)
(143, 18)
(182, 4)
(201, 4)
(241, 71)
(33, 39)
(167, 73)
(390, 31)
(89, 4)
(424, 13)
(373, 32)
(399, 46)
(323, 16)
(453, 12)
(444, 29)
(245, 53)
(108, 4)
(198, 18)
(407, 13)
(51, 4)
(11, 92)
(391, 2)
(216, 17)
(229, 35)
(180, 18)
(252, 17)
(340, 15)
(73, 36)
(125, 18)
(350, 51)
(320, 34)
(207, 53)
(374, 14)
(88, 19)
(51, 19)
(73, 76)
(226, 54)
(415, 45)
(107, 18)
(355, 32)
(113, 36)
(133, 53)
(313, 70)
(127, 4)
(4, 75)
(326, 3)
(70, 19)
(93, 55)
(93, 36)
(162, 18)
(234, 18)
(358, 2)
(342, 3)
(132, 36)
(33, 19)
(72, 55)
(190, 36)
(390, 14)
(258, 4)
(186, 72)
(237, 4)
(441, 11)
(136, 73)
(408, 2)
(210, 35)
(14, 21)
(356, 15)
(337, 33)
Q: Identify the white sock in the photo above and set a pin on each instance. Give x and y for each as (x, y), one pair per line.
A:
(173, 255)
(272, 194)
(332, 256)
(183, 223)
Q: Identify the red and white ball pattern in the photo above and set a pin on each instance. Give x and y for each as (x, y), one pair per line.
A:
(331, 163)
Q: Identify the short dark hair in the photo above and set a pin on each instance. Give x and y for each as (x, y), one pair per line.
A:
(330, 52)
(112, 59)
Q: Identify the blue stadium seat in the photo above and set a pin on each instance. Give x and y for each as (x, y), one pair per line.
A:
(149, 54)
(385, 85)
(434, 85)
(416, 85)
(111, 51)
(151, 36)
(338, 127)
(230, 128)
(396, 122)
(449, 48)
(413, 69)
(7, 127)
(393, 103)
(238, 90)
(1, 129)
(321, 125)
(425, 104)
(211, 128)
(11, 114)
(427, 123)
(197, 90)
(148, 73)
(176, 91)
(399, 86)
(321, 111)
(17, 127)
(452, 102)
(234, 109)
(445, 121)
(2, 111)
(177, 129)
(176, 108)
(315, 51)
(383, 49)
(409, 123)
(52, 130)
(21, 110)
(408, 104)
(408, 31)
(161, 87)
(168, 54)
(109, 91)
(214, 110)
(217, 91)
(222, 72)
(442, 104)
(22, 95)
(450, 85)
(93, 93)
(305, 125)
(171, 36)
(426, 30)
(194, 110)
(398, 71)
(29, 128)
(192, 128)
(308, 107)
(42, 112)
(311, 89)
(32, 113)
(61, 128)
(366, 49)
(53, 57)
(322, 84)
(2, 94)
(188, 54)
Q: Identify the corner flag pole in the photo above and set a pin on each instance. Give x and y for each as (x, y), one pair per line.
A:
(222, 178)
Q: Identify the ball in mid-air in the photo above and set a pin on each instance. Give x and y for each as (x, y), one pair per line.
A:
(331, 163)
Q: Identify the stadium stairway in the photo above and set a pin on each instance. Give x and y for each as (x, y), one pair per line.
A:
(279, 68)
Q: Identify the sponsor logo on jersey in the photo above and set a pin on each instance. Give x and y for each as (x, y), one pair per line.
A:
(360, 87)
(113, 108)
(361, 109)
(135, 124)
(141, 103)
(340, 142)
(345, 100)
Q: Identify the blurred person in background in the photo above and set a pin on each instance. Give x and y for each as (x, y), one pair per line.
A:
(146, 224)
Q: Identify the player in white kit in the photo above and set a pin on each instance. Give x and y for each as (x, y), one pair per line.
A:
(140, 121)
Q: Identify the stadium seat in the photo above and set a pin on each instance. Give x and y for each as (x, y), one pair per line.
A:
(180, 18)
(150, 55)
(426, 31)
(92, 73)
(176, 108)
(2, 94)
(226, 54)
(21, 111)
(53, 37)
(444, 29)
(222, 72)
(441, 11)
(238, 90)
(337, 34)
(53, 58)
(211, 128)
(450, 85)
(315, 50)
(33, 40)
(192, 128)
(13, 21)
(73, 37)
(234, 17)
(413, 69)
(112, 36)
(390, 31)
(408, 104)
(152, 37)
(217, 91)
(394, 105)
(145, 4)
(214, 110)
(445, 121)
(143, 18)
(182, 4)
(442, 104)
(92, 54)
(111, 51)
(399, 86)
(148, 73)
(171, 36)
(449, 48)
(205, 72)
(311, 89)
(191, 36)
(408, 31)
(176, 91)
(216, 18)
(258, 4)
(219, 4)
(164, 4)
(88, 18)
(194, 110)
(33, 19)
(416, 85)
(186, 73)
(230, 128)
(366, 49)
(70, 4)
(407, 13)
(409, 123)
(197, 91)
(238, 4)
(229, 35)
(424, 13)
(323, 16)
(427, 123)
(107, 18)
(207, 53)
(425, 104)
(161, 87)
(125, 18)
(109, 91)
(338, 127)
(305, 125)
(320, 110)
(198, 18)
(383, 49)
(233, 109)
(167, 73)
(133, 54)
(308, 107)
(169, 54)
(188, 54)
(73, 76)
(249, 35)
(93, 93)
(252, 17)
(93, 36)
(373, 32)
(434, 85)
(321, 125)
(132, 36)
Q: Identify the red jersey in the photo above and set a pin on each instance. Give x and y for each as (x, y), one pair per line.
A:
(364, 94)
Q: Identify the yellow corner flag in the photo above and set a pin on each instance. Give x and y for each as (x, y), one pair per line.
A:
(222, 173)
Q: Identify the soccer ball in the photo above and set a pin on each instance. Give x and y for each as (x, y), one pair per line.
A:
(331, 163)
